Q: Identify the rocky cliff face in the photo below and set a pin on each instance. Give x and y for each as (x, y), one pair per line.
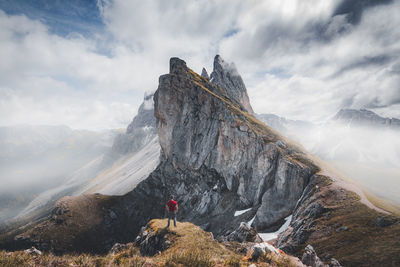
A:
(225, 75)
(217, 158)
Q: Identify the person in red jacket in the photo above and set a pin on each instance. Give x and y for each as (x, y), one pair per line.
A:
(172, 209)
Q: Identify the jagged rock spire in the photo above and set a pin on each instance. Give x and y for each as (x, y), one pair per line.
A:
(226, 76)
(204, 73)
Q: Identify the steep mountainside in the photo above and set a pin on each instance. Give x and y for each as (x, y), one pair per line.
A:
(217, 158)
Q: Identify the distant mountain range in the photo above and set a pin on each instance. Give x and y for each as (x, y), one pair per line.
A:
(350, 117)
(364, 117)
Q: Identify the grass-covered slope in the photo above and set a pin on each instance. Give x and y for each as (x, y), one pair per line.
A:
(189, 246)
(355, 234)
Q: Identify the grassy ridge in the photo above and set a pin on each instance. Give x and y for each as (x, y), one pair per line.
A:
(190, 246)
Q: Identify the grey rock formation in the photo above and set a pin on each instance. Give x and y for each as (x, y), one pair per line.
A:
(310, 258)
(139, 132)
(204, 74)
(226, 76)
(33, 251)
(334, 263)
(257, 252)
(150, 242)
(244, 233)
(365, 117)
(383, 221)
(118, 247)
(200, 133)
(308, 208)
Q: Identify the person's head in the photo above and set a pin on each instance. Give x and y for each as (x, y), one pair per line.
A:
(171, 197)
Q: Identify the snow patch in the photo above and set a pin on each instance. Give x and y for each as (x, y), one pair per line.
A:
(273, 235)
(240, 212)
(251, 221)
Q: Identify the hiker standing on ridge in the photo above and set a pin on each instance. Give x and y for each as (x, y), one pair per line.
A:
(172, 209)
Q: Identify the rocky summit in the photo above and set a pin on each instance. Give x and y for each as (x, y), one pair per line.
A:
(231, 175)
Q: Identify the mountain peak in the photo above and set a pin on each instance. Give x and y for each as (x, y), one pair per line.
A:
(225, 75)
(204, 73)
(221, 66)
(176, 65)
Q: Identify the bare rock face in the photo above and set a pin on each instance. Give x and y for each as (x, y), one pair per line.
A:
(204, 74)
(226, 76)
(203, 127)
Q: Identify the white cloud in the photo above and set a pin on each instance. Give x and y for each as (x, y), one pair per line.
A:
(296, 59)
(316, 64)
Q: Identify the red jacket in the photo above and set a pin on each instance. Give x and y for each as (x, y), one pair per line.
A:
(172, 205)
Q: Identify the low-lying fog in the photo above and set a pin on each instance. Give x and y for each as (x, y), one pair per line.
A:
(36, 158)
(370, 156)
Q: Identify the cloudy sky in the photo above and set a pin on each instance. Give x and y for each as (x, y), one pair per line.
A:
(87, 64)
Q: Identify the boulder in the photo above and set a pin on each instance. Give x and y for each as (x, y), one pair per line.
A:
(33, 251)
(118, 247)
(310, 258)
(383, 222)
(152, 242)
(334, 263)
(244, 233)
(261, 248)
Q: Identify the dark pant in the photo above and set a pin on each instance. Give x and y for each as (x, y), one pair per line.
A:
(172, 215)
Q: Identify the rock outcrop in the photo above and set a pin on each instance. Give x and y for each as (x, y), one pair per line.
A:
(152, 242)
(244, 233)
(310, 258)
(204, 74)
(33, 251)
(226, 76)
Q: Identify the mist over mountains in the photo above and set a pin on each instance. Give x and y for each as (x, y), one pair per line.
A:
(359, 143)
(34, 159)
